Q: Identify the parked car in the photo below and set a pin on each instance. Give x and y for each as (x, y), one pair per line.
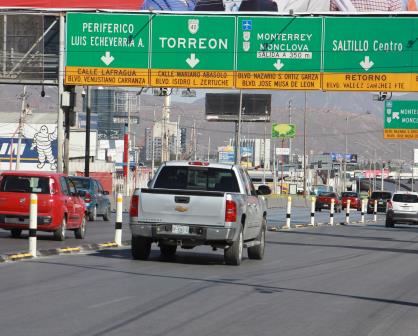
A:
(382, 197)
(402, 208)
(60, 206)
(355, 200)
(323, 201)
(96, 198)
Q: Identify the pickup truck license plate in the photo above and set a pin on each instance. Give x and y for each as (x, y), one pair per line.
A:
(180, 229)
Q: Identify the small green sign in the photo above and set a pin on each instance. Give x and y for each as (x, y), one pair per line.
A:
(401, 114)
(283, 130)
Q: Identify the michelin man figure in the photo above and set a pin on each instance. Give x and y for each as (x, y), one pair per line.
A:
(42, 141)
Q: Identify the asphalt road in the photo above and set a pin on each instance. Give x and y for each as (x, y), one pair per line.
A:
(342, 280)
(98, 231)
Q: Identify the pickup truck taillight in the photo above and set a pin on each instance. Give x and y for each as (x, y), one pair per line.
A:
(133, 210)
(390, 206)
(230, 211)
(87, 197)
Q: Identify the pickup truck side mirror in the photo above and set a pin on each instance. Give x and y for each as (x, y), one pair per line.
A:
(263, 190)
(149, 183)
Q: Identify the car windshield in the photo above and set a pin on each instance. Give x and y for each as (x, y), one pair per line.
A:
(327, 194)
(197, 178)
(81, 183)
(349, 194)
(25, 184)
(405, 198)
(381, 195)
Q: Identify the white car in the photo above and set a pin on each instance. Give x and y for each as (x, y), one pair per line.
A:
(402, 208)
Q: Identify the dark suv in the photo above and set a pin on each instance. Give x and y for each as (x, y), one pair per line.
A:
(96, 199)
(382, 197)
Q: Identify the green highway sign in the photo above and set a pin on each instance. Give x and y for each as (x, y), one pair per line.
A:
(193, 51)
(401, 119)
(107, 49)
(366, 53)
(279, 52)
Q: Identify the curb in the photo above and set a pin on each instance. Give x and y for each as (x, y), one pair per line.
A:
(307, 225)
(61, 251)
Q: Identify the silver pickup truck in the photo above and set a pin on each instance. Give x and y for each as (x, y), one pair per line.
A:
(188, 204)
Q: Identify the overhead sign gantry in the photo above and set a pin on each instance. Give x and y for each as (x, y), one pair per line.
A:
(244, 52)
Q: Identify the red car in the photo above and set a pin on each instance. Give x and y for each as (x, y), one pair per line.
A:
(60, 206)
(323, 201)
(355, 201)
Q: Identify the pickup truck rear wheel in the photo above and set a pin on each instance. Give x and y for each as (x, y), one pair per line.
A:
(168, 251)
(233, 254)
(257, 252)
(140, 248)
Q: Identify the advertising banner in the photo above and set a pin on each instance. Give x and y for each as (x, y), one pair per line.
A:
(224, 5)
(38, 148)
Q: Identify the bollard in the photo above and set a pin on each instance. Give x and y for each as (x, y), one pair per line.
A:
(347, 212)
(118, 223)
(375, 211)
(363, 207)
(313, 210)
(33, 223)
(331, 212)
(289, 210)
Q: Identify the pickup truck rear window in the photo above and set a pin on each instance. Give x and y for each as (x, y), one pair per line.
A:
(197, 178)
(25, 184)
(405, 198)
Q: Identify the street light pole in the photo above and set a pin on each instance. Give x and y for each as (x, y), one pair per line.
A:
(304, 148)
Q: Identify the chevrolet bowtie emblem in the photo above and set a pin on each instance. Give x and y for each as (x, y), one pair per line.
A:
(181, 208)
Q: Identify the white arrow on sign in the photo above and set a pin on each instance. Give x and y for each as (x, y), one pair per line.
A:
(395, 115)
(192, 61)
(107, 58)
(278, 65)
(367, 63)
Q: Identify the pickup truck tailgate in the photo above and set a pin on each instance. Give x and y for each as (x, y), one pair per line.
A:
(182, 207)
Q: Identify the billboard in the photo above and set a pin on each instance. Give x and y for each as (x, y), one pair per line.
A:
(225, 107)
(29, 49)
(38, 149)
(223, 5)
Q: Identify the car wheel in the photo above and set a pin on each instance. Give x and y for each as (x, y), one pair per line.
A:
(16, 233)
(168, 251)
(257, 252)
(59, 234)
(140, 247)
(106, 216)
(389, 222)
(93, 214)
(80, 232)
(233, 254)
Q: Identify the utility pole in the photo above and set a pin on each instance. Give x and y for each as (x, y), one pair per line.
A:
(20, 130)
(178, 138)
(305, 189)
(238, 132)
(165, 153)
(153, 146)
(209, 149)
(290, 139)
(60, 119)
(194, 140)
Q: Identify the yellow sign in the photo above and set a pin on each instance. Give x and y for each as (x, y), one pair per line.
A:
(106, 76)
(278, 80)
(401, 134)
(192, 78)
(367, 82)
